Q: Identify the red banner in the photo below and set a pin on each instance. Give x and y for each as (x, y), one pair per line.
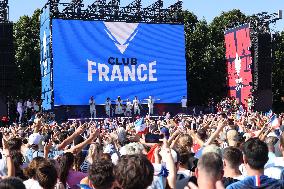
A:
(239, 63)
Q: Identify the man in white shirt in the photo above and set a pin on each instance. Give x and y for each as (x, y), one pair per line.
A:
(20, 110)
(275, 169)
(107, 106)
(184, 104)
(128, 108)
(136, 106)
(150, 102)
(92, 104)
(118, 106)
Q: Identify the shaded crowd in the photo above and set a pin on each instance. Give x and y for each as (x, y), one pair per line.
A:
(226, 150)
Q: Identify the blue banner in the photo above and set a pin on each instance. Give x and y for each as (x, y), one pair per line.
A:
(46, 79)
(110, 59)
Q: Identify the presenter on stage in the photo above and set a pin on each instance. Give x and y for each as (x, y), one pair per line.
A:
(108, 106)
(150, 102)
(92, 104)
(128, 108)
(118, 106)
(184, 104)
(136, 106)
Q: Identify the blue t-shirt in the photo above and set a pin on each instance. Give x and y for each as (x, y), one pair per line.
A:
(257, 182)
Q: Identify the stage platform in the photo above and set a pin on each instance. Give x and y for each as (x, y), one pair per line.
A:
(64, 113)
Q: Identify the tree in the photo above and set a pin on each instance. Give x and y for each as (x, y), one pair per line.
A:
(278, 73)
(27, 50)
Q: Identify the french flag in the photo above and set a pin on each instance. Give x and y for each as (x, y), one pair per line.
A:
(274, 122)
(140, 126)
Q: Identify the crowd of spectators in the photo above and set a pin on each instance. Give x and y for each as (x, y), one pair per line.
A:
(231, 149)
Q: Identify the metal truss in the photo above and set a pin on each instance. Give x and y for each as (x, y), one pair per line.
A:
(4, 11)
(111, 11)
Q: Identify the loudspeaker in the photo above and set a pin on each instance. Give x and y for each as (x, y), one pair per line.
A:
(262, 71)
(7, 60)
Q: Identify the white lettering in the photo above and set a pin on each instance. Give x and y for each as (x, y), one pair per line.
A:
(90, 70)
(152, 71)
(116, 73)
(103, 72)
(129, 73)
(141, 67)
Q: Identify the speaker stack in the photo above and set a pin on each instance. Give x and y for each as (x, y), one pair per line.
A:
(262, 71)
(7, 64)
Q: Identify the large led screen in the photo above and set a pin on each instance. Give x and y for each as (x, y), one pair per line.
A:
(46, 77)
(110, 59)
(239, 62)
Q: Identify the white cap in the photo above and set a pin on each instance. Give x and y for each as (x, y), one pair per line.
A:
(35, 138)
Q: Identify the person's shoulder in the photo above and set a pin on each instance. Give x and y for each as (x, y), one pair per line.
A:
(237, 185)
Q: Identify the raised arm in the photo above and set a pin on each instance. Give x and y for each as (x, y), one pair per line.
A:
(70, 139)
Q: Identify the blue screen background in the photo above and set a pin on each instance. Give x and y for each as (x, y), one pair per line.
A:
(46, 78)
(76, 41)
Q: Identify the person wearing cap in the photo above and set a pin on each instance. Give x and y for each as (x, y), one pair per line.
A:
(36, 149)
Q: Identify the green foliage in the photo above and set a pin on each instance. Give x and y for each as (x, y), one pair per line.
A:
(278, 74)
(27, 50)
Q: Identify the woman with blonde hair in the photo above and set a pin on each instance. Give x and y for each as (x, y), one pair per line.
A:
(94, 152)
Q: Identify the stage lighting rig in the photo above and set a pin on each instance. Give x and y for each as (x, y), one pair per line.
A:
(54, 6)
(261, 21)
(175, 12)
(96, 10)
(112, 10)
(132, 12)
(73, 9)
(152, 13)
(4, 11)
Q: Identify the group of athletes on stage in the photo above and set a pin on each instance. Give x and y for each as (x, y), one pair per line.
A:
(126, 107)
(123, 107)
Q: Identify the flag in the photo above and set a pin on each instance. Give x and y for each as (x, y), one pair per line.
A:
(140, 126)
(274, 122)
(269, 114)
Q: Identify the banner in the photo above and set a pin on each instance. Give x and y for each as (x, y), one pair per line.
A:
(46, 79)
(239, 62)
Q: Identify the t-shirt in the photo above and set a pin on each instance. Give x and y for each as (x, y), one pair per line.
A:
(32, 184)
(74, 178)
(275, 168)
(29, 104)
(92, 104)
(136, 103)
(254, 182)
(184, 103)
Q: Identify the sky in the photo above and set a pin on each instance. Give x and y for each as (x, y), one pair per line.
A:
(207, 9)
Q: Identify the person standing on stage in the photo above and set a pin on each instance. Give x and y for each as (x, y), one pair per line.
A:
(150, 103)
(118, 106)
(128, 108)
(250, 102)
(184, 104)
(92, 104)
(136, 106)
(20, 110)
(107, 106)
